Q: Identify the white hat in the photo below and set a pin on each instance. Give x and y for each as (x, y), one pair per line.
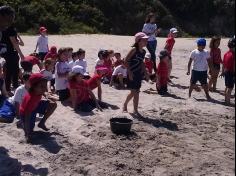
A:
(78, 70)
(148, 55)
(174, 30)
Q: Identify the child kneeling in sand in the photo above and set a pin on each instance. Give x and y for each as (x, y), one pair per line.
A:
(163, 72)
(32, 104)
(82, 97)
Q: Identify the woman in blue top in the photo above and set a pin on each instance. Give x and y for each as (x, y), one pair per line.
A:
(136, 70)
(150, 29)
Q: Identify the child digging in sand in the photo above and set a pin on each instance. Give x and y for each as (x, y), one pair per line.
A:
(229, 70)
(33, 104)
(201, 60)
(136, 70)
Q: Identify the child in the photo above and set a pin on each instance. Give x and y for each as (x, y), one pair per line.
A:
(136, 70)
(42, 43)
(229, 70)
(82, 96)
(62, 70)
(4, 92)
(52, 53)
(119, 76)
(100, 60)
(201, 60)
(170, 42)
(32, 104)
(29, 61)
(162, 73)
(81, 59)
(118, 61)
(216, 62)
(74, 59)
(20, 93)
(69, 54)
(148, 63)
(47, 72)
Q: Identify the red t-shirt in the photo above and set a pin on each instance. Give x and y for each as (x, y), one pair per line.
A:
(216, 55)
(82, 90)
(50, 55)
(229, 61)
(162, 72)
(32, 59)
(93, 82)
(170, 42)
(118, 63)
(29, 104)
(149, 66)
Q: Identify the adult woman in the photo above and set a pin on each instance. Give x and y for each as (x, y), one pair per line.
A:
(150, 29)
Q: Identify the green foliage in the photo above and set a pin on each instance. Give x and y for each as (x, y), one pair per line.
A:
(124, 17)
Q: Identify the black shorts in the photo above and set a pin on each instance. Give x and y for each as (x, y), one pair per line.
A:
(27, 66)
(200, 76)
(229, 80)
(216, 66)
(134, 84)
(42, 56)
(90, 106)
(63, 94)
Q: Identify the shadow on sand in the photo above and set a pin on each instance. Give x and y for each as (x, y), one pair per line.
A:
(215, 102)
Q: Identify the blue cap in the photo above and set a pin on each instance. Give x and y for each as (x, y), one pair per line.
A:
(201, 42)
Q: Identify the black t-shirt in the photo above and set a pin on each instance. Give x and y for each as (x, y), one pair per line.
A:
(5, 41)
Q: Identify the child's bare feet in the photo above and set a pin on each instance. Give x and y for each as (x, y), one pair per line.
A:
(125, 109)
(43, 126)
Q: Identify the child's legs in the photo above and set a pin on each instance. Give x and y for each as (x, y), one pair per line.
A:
(136, 100)
(121, 79)
(228, 95)
(213, 79)
(86, 107)
(129, 97)
(193, 81)
(46, 108)
(64, 94)
(170, 67)
(151, 46)
(203, 81)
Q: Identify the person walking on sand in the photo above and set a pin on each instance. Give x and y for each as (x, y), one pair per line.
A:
(201, 60)
(136, 70)
(150, 29)
(42, 43)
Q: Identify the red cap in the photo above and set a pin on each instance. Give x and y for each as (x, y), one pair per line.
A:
(42, 29)
(53, 50)
(36, 78)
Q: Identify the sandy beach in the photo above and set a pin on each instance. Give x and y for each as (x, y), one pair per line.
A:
(176, 136)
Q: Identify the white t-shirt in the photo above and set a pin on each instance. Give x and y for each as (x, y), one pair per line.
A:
(71, 64)
(200, 62)
(82, 63)
(19, 94)
(150, 30)
(61, 83)
(99, 62)
(42, 44)
(47, 74)
(120, 70)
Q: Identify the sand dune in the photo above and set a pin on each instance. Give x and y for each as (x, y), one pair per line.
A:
(175, 136)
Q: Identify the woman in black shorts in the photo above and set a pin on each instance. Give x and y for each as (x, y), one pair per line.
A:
(136, 70)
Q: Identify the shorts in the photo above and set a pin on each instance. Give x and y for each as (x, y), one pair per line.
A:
(136, 83)
(42, 56)
(216, 66)
(27, 66)
(90, 106)
(41, 109)
(200, 76)
(229, 80)
(63, 94)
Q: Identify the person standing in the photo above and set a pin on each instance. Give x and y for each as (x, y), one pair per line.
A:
(13, 51)
(42, 43)
(151, 30)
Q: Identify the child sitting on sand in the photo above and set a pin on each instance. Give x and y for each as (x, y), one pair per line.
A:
(32, 104)
(162, 73)
(118, 60)
(216, 62)
(62, 70)
(82, 96)
(201, 61)
(119, 76)
(148, 63)
(47, 72)
(29, 61)
(229, 70)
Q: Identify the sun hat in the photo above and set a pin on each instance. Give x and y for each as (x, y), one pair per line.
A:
(42, 29)
(36, 78)
(53, 50)
(174, 30)
(163, 53)
(201, 42)
(148, 55)
(140, 36)
(79, 70)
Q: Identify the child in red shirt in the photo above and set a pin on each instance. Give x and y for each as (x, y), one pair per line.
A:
(148, 63)
(52, 53)
(29, 61)
(32, 104)
(170, 42)
(82, 96)
(229, 70)
(162, 73)
(118, 61)
(216, 62)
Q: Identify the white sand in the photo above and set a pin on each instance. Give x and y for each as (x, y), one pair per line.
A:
(178, 136)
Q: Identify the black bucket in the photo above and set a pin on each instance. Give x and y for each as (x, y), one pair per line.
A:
(121, 125)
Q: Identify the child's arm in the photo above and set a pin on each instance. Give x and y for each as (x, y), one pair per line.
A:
(4, 90)
(20, 42)
(128, 57)
(17, 48)
(61, 75)
(94, 99)
(73, 95)
(99, 90)
(37, 44)
(27, 126)
(189, 65)
(17, 106)
(40, 65)
(49, 87)
(145, 72)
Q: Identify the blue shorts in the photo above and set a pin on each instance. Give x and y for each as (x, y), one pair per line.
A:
(200, 76)
(229, 80)
(41, 109)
